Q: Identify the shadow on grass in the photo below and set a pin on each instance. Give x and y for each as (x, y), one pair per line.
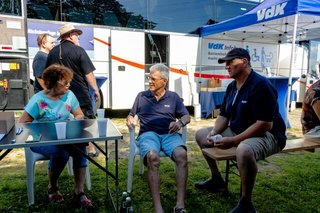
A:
(285, 183)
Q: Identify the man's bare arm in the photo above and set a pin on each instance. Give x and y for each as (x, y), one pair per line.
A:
(92, 82)
(41, 82)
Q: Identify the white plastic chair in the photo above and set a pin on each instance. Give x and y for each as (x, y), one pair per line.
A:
(134, 150)
(31, 158)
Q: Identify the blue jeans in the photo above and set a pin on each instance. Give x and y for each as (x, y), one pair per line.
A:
(59, 155)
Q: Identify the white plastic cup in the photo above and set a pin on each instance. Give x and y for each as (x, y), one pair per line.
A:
(61, 130)
(102, 126)
(100, 113)
(216, 137)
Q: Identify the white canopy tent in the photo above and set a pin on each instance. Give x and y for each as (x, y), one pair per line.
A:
(272, 21)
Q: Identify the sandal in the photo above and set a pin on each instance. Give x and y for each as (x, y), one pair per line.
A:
(93, 154)
(54, 196)
(82, 201)
(179, 210)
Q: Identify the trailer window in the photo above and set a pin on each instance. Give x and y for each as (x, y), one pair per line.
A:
(10, 7)
(184, 16)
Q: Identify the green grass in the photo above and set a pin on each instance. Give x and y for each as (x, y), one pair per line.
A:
(285, 183)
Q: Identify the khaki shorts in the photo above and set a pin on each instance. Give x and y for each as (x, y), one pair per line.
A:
(262, 147)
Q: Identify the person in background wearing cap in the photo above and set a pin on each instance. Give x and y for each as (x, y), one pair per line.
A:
(46, 43)
(71, 55)
(249, 119)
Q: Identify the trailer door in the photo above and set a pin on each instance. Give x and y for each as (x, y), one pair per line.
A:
(184, 57)
(127, 73)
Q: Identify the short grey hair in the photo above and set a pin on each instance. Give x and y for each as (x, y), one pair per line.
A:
(163, 69)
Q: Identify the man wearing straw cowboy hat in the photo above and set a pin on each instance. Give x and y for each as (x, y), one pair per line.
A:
(71, 55)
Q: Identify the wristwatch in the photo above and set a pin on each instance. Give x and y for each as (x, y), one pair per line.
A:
(183, 124)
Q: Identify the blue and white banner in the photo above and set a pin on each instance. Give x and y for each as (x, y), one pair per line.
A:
(35, 28)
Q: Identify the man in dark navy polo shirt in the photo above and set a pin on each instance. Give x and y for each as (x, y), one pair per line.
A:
(249, 120)
(158, 110)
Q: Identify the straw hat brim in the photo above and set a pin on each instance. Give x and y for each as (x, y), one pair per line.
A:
(70, 31)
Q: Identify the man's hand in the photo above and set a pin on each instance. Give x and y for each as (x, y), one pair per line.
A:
(225, 143)
(96, 95)
(93, 83)
(209, 139)
(131, 122)
(174, 127)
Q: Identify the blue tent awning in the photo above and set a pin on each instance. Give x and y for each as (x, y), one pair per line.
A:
(272, 20)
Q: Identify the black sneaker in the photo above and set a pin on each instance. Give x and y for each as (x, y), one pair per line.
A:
(244, 206)
(179, 210)
(212, 185)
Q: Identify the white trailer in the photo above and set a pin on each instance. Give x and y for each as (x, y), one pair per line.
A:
(124, 56)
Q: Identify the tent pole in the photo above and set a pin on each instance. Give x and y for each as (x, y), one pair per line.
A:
(277, 71)
(291, 62)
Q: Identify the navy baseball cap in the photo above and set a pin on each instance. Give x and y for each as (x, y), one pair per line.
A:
(235, 53)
